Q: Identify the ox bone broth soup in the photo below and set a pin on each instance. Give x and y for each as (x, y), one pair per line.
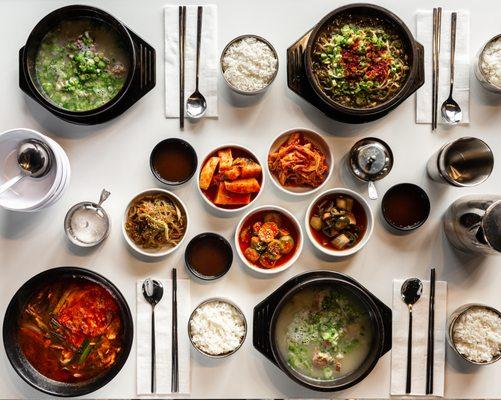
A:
(324, 332)
(81, 64)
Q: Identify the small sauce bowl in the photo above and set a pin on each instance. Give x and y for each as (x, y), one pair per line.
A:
(208, 256)
(173, 161)
(405, 207)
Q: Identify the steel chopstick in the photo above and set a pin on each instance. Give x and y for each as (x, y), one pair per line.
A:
(175, 365)
(431, 335)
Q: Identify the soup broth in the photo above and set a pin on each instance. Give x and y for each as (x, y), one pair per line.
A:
(70, 330)
(81, 64)
(324, 333)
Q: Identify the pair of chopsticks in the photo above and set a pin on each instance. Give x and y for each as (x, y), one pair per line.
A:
(437, 31)
(431, 335)
(182, 36)
(175, 365)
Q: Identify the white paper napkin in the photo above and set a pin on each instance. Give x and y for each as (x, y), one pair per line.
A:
(163, 339)
(419, 340)
(209, 59)
(424, 20)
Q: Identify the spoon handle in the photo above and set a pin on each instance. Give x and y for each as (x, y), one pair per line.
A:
(409, 354)
(153, 351)
(11, 182)
(104, 195)
(199, 38)
(453, 45)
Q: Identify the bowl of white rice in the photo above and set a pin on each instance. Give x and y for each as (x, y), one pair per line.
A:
(474, 332)
(217, 328)
(249, 64)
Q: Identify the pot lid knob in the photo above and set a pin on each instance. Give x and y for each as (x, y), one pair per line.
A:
(371, 159)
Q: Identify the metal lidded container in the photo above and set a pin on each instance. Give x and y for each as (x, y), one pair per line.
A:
(464, 162)
(473, 223)
(371, 159)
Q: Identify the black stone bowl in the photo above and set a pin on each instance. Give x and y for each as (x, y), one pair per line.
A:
(21, 364)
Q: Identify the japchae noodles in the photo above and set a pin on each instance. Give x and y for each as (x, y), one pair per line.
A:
(155, 221)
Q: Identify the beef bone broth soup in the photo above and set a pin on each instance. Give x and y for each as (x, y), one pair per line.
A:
(70, 330)
(360, 61)
(324, 333)
(81, 64)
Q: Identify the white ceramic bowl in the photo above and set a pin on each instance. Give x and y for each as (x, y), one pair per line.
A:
(222, 210)
(154, 253)
(297, 251)
(30, 193)
(318, 141)
(368, 231)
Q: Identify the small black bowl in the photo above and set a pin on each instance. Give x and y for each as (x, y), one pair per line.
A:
(22, 366)
(214, 246)
(186, 151)
(405, 207)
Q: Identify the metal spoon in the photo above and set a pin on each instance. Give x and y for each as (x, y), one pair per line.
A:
(451, 112)
(411, 292)
(153, 292)
(196, 105)
(34, 159)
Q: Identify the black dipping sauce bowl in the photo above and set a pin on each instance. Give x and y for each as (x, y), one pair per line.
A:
(173, 161)
(405, 207)
(208, 256)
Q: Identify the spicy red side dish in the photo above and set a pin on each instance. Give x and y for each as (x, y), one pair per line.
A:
(230, 178)
(70, 330)
(268, 239)
(298, 163)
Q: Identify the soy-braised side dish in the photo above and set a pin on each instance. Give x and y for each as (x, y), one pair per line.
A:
(338, 221)
(155, 221)
(81, 65)
(230, 178)
(268, 239)
(70, 330)
(360, 61)
(324, 333)
(298, 163)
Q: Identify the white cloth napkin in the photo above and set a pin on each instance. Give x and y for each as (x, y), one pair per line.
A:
(209, 59)
(419, 340)
(163, 339)
(424, 20)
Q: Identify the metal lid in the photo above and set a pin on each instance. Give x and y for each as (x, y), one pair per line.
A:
(371, 159)
(491, 224)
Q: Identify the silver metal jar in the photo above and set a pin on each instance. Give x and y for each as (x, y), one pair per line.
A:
(473, 223)
(464, 162)
(479, 71)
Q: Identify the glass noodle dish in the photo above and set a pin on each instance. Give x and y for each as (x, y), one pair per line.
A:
(70, 330)
(359, 61)
(324, 333)
(155, 221)
(81, 65)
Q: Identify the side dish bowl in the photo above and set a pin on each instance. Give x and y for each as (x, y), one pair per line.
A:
(162, 251)
(364, 209)
(289, 222)
(232, 209)
(18, 361)
(317, 140)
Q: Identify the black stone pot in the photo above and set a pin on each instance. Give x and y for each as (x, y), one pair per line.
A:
(267, 312)
(24, 368)
(140, 79)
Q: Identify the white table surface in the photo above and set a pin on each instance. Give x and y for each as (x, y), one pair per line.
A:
(115, 156)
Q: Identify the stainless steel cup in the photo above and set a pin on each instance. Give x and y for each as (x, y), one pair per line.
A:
(473, 223)
(465, 162)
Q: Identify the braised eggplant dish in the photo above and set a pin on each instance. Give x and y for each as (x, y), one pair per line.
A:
(338, 222)
(360, 61)
(71, 330)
